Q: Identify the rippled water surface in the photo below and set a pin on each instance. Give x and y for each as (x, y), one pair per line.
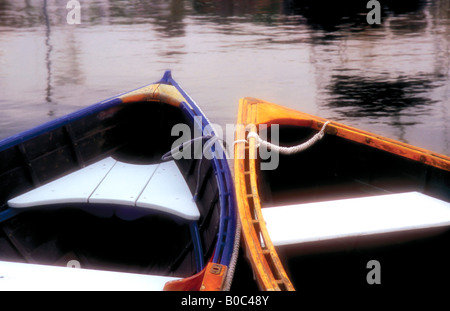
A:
(321, 57)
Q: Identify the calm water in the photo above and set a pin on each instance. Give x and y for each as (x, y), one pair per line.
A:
(321, 57)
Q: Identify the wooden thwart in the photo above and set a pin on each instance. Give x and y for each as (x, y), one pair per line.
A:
(24, 276)
(131, 190)
(349, 218)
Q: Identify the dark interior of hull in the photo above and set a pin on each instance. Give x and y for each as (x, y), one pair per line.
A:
(137, 133)
(419, 265)
(333, 169)
(336, 168)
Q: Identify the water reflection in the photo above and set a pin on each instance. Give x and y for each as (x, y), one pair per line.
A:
(329, 15)
(394, 74)
(20, 14)
(319, 56)
(226, 8)
(168, 16)
(48, 62)
(369, 98)
(331, 20)
(319, 14)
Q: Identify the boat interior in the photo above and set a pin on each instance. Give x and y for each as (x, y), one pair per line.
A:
(338, 169)
(157, 243)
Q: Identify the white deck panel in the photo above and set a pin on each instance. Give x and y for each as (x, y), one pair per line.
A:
(144, 188)
(123, 184)
(168, 192)
(294, 224)
(73, 188)
(32, 277)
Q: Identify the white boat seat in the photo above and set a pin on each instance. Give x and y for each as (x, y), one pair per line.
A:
(352, 218)
(33, 277)
(110, 186)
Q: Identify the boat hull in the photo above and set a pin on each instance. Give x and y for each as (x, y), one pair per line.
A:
(134, 128)
(347, 163)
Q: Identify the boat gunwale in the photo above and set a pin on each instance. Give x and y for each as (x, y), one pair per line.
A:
(285, 116)
(260, 250)
(253, 112)
(168, 91)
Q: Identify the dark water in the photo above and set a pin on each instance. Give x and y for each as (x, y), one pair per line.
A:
(321, 57)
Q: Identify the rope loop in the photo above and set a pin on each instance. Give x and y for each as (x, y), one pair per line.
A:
(289, 150)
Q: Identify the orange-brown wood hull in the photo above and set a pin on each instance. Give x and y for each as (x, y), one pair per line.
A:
(268, 270)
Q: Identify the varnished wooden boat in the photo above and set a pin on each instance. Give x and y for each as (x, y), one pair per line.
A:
(352, 211)
(90, 191)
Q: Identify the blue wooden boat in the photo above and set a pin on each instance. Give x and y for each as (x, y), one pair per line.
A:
(95, 190)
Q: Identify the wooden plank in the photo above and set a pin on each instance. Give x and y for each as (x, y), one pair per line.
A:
(168, 192)
(132, 191)
(73, 188)
(24, 277)
(124, 184)
(350, 218)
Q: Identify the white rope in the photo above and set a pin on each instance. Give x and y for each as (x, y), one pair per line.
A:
(234, 257)
(240, 141)
(293, 149)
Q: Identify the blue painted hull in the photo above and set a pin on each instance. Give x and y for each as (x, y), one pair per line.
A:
(133, 127)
